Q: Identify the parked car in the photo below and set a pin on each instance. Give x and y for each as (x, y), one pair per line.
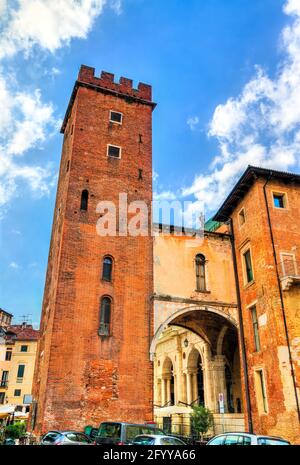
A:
(66, 438)
(9, 442)
(122, 433)
(246, 439)
(157, 440)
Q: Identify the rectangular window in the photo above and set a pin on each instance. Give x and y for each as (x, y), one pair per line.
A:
(114, 151)
(8, 354)
(255, 328)
(115, 117)
(4, 378)
(17, 392)
(279, 200)
(242, 217)
(262, 396)
(21, 369)
(24, 348)
(2, 397)
(248, 266)
(289, 265)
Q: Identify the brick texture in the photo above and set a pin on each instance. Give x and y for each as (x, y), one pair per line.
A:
(80, 377)
(281, 417)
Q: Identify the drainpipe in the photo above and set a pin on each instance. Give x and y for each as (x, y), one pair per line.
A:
(241, 331)
(281, 295)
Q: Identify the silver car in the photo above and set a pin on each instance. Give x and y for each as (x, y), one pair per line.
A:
(156, 440)
(66, 438)
(246, 439)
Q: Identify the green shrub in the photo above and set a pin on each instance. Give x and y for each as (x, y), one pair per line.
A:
(15, 430)
(202, 420)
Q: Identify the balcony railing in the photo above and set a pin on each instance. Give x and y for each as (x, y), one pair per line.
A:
(3, 384)
(289, 272)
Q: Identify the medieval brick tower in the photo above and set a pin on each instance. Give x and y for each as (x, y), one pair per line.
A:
(93, 357)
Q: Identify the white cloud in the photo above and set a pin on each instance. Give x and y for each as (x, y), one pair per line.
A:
(25, 123)
(165, 195)
(261, 126)
(14, 266)
(193, 122)
(47, 23)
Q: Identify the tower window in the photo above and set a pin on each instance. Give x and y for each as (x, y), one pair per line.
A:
(115, 117)
(105, 313)
(107, 269)
(279, 200)
(200, 273)
(24, 348)
(84, 200)
(114, 151)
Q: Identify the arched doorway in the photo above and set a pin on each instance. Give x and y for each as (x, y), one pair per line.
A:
(195, 371)
(196, 357)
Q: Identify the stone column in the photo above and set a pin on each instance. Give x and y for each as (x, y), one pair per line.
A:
(195, 386)
(168, 380)
(189, 392)
(218, 366)
(163, 392)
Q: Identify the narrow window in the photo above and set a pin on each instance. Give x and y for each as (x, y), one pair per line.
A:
(21, 370)
(255, 328)
(107, 269)
(279, 200)
(248, 266)
(2, 397)
(114, 151)
(4, 378)
(24, 348)
(262, 393)
(8, 354)
(17, 392)
(242, 217)
(200, 273)
(105, 312)
(115, 117)
(84, 200)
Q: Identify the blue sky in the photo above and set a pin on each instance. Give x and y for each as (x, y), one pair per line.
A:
(225, 75)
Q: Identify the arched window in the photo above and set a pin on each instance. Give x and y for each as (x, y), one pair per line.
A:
(107, 268)
(84, 200)
(200, 273)
(105, 314)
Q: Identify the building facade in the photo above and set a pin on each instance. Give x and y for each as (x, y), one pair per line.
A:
(220, 321)
(195, 348)
(263, 210)
(5, 318)
(18, 345)
(93, 358)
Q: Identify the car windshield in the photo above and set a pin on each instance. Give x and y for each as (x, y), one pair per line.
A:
(143, 440)
(110, 430)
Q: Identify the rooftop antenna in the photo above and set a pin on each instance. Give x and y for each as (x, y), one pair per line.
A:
(25, 318)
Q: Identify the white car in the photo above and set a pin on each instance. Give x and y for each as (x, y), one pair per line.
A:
(157, 440)
(246, 439)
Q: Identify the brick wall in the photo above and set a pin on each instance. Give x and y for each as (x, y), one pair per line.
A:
(281, 416)
(82, 378)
